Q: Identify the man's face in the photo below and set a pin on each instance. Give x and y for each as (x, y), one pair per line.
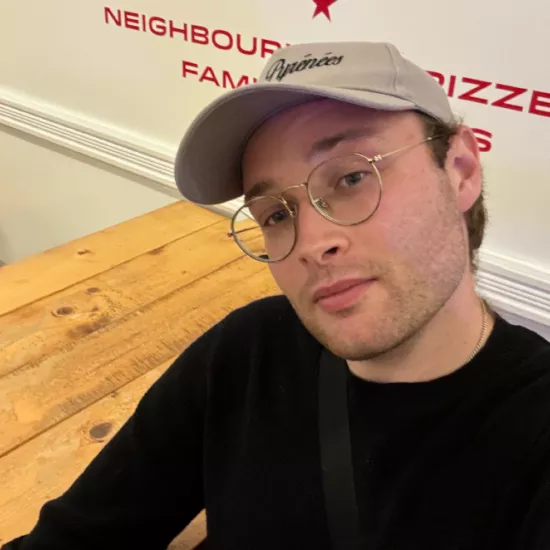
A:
(403, 263)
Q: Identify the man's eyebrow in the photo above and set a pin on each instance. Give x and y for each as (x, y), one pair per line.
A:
(259, 188)
(328, 143)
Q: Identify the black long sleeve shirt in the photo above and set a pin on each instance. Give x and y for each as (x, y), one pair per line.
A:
(458, 463)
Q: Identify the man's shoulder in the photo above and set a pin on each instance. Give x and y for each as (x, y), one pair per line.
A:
(520, 378)
(260, 345)
(266, 321)
(523, 344)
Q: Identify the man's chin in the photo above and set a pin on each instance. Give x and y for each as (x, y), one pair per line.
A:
(354, 350)
(349, 334)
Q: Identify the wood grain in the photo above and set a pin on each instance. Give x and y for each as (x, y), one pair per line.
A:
(65, 320)
(36, 397)
(46, 466)
(63, 266)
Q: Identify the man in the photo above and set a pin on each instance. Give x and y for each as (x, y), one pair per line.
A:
(364, 196)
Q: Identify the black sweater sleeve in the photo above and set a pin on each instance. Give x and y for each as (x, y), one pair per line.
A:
(146, 484)
(535, 530)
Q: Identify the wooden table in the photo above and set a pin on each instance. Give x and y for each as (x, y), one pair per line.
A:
(87, 327)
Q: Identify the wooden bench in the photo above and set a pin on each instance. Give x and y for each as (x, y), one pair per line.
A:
(87, 327)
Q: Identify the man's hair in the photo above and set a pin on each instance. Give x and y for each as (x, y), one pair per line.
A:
(476, 216)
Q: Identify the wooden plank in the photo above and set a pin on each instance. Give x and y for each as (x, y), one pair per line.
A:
(34, 399)
(43, 274)
(192, 536)
(61, 321)
(44, 468)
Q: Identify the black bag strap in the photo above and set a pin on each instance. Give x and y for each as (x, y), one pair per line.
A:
(336, 460)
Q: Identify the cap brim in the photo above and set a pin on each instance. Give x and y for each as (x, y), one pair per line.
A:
(208, 161)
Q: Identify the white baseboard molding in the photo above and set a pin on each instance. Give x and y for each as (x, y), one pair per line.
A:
(519, 291)
(109, 144)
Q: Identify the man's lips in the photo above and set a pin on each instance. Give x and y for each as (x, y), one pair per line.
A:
(337, 288)
(341, 294)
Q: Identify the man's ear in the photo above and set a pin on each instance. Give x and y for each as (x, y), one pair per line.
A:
(464, 168)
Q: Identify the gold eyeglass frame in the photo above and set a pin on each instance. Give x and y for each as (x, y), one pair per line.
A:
(315, 202)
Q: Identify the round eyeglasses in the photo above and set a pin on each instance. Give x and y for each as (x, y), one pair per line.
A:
(345, 190)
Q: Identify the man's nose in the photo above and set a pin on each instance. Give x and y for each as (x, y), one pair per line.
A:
(318, 239)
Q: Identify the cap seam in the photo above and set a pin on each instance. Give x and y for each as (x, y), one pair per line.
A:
(392, 57)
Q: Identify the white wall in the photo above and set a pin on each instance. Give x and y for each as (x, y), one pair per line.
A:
(50, 196)
(71, 76)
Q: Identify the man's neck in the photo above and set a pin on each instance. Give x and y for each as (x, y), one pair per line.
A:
(442, 346)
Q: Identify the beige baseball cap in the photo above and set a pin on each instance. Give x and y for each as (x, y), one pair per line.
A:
(372, 74)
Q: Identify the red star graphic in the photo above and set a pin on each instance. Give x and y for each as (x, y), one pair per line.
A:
(323, 7)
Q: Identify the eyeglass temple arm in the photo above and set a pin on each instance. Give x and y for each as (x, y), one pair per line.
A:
(378, 158)
(231, 233)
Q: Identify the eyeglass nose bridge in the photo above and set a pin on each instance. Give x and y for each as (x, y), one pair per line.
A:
(318, 203)
(297, 186)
